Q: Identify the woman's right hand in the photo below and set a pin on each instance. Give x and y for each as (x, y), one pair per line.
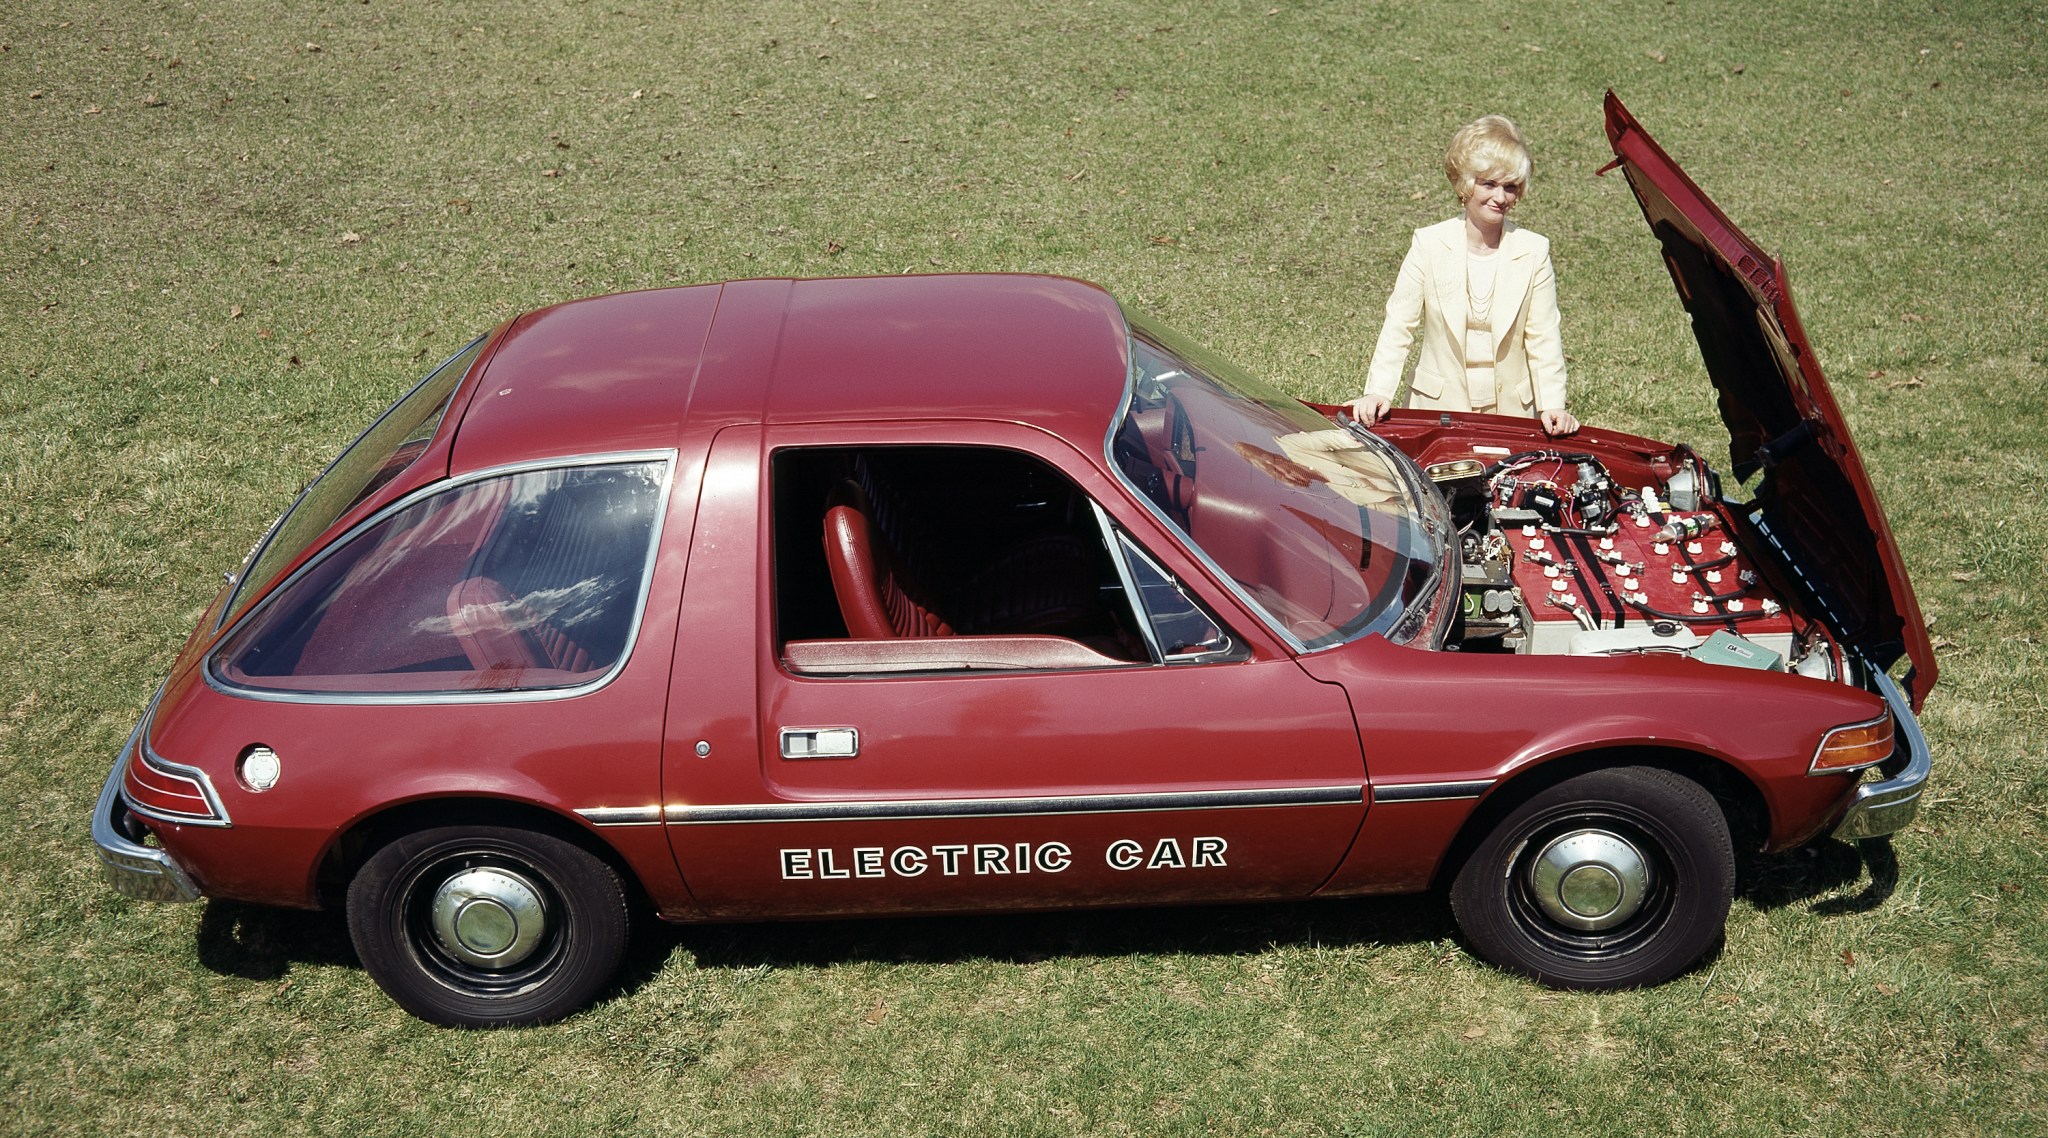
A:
(1370, 408)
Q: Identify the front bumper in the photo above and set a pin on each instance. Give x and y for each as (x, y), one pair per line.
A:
(1886, 806)
(133, 869)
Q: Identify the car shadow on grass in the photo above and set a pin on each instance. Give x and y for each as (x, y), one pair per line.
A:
(254, 942)
(1816, 875)
(259, 943)
(1024, 938)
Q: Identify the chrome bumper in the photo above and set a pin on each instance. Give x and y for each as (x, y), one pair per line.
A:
(1885, 807)
(133, 869)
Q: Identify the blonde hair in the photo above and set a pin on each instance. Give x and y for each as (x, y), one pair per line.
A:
(1489, 147)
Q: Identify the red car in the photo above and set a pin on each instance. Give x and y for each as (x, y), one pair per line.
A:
(794, 599)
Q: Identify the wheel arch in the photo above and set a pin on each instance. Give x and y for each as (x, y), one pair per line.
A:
(1742, 803)
(364, 837)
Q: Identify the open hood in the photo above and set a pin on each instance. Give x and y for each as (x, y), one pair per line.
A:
(1814, 503)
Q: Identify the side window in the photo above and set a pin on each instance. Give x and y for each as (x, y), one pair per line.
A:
(1179, 628)
(520, 582)
(934, 559)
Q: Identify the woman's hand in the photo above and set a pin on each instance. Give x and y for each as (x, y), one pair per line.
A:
(1559, 422)
(1370, 408)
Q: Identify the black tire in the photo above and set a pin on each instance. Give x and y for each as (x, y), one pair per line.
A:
(530, 928)
(1614, 879)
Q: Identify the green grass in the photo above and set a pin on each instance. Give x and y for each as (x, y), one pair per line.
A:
(230, 232)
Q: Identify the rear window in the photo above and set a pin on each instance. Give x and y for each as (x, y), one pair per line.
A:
(525, 581)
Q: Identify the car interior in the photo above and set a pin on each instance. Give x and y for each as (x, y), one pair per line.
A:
(942, 558)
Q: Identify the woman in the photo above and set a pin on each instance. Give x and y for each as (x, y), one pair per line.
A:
(1483, 291)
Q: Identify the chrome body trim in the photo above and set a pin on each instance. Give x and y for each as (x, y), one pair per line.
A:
(621, 815)
(1430, 791)
(133, 869)
(667, 456)
(1889, 805)
(217, 813)
(682, 814)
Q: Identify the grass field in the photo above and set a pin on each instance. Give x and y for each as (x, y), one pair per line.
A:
(230, 232)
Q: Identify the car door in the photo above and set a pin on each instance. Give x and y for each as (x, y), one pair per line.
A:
(1054, 744)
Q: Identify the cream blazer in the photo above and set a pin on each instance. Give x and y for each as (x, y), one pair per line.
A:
(1528, 367)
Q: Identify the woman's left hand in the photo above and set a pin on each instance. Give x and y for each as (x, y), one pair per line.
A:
(1559, 422)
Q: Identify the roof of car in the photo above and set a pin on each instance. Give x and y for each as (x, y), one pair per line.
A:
(637, 370)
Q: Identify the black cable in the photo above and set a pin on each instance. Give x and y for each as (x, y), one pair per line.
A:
(1585, 548)
(1719, 601)
(1699, 618)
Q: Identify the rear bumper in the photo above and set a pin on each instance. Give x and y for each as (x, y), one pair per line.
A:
(1886, 806)
(133, 869)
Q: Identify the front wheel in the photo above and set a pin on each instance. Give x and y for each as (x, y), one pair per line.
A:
(487, 926)
(1614, 879)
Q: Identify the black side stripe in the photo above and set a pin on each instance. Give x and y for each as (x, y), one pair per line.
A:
(1430, 791)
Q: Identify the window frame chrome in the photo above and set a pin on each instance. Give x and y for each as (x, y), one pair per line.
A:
(667, 456)
(1122, 547)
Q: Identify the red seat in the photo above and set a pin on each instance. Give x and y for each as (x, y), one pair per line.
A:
(876, 597)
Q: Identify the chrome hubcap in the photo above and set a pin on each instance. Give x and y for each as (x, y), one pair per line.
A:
(489, 917)
(1591, 880)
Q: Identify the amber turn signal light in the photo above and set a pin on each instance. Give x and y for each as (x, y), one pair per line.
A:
(1852, 746)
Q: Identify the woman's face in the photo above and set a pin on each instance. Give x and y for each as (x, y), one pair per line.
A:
(1492, 198)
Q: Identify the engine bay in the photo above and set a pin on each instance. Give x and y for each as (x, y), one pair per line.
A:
(1567, 552)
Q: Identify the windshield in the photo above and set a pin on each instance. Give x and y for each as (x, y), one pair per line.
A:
(1330, 533)
(393, 442)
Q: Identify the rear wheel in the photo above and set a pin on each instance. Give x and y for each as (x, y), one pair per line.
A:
(1613, 879)
(488, 926)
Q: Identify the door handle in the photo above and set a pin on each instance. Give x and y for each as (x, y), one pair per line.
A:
(820, 742)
